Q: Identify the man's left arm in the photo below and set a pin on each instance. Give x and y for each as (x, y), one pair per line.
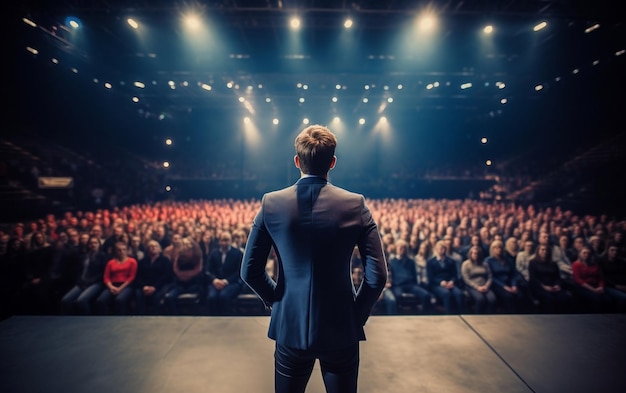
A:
(253, 272)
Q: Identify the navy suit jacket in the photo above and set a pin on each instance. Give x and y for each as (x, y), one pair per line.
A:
(313, 227)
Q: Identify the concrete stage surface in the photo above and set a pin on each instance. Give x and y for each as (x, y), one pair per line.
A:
(468, 353)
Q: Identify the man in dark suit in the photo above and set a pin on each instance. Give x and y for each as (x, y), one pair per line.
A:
(316, 312)
(224, 283)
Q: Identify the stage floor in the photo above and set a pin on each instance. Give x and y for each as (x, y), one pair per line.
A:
(470, 353)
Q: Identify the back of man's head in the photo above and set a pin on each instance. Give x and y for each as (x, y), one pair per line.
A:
(315, 148)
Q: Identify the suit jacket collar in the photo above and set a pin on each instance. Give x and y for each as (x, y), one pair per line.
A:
(311, 180)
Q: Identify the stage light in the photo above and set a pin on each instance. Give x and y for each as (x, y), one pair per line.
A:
(361, 121)
(488, 162)
(305, 121)
(132, 23)
(427, 22)
(168, 188)
(488, 29)
(29, 22)
(275, 121)
(193, 22)
(540, 26)
(73, 22)
(168, 142)
(365, 100)
(295, 23)
(166, 164)
(334, 99)
(347, 23)
(483, 140)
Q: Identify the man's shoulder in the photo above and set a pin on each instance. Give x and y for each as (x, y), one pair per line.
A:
(335, 190)
(344, 191)
(343, 195)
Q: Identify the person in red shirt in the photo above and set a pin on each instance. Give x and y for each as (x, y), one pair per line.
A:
(589, 282)
(119, 274)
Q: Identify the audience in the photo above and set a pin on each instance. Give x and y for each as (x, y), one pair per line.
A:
(27, 257)
(154, 277)
(119, 274)
(589, 281)
(506, 279)
(443, 280)
(613, 267)
(546, 283)
(404, 277)
(223, 276)
(88, 280)
(477, 277)
(36, 297)
(188, 266)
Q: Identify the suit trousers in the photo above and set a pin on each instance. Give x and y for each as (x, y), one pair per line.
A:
(293, 367)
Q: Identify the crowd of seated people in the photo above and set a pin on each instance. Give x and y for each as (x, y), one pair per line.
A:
(454, 256)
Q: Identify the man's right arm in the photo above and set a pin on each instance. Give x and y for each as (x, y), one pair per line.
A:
(374, 266)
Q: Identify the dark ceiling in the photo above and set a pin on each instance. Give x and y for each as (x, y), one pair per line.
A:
(252, 47)
(252, 50)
